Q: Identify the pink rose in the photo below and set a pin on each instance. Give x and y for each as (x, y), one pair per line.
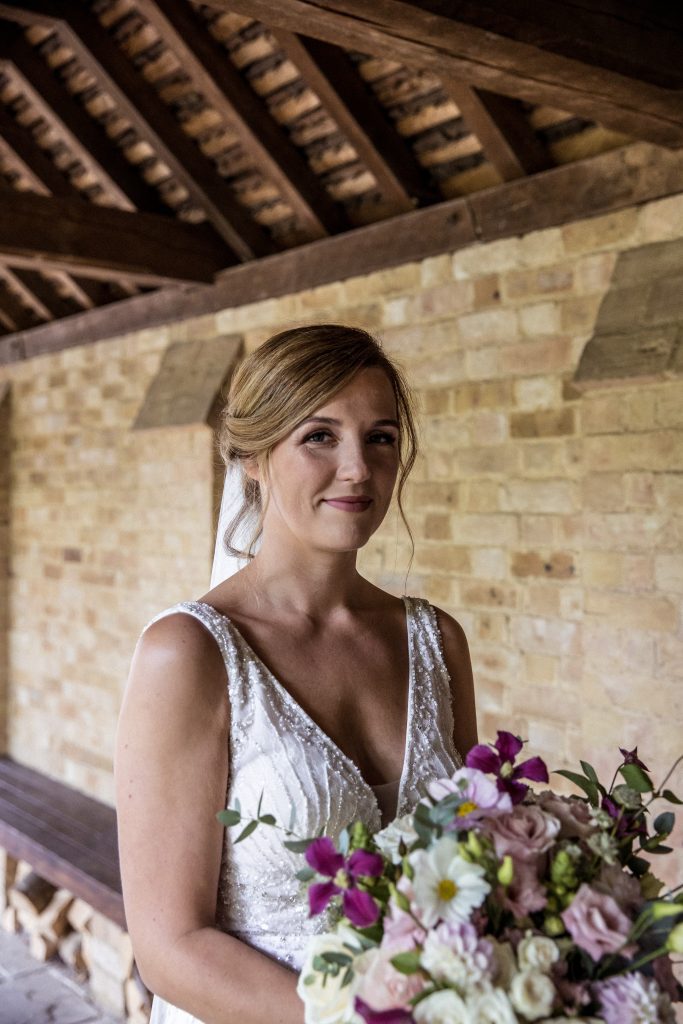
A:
(596, 923)
(572, 813)
(526, 893)
(381, 986)
(524, 833)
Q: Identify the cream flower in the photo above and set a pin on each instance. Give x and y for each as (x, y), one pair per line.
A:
(327, 1003)
(532, 994)
(504, 963)
(446, 886)
(445, 1007)
(537, 952)
(389, 838)
(456, 955)
(491, 1006)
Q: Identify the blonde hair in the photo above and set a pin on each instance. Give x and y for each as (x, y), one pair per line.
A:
(283, 382)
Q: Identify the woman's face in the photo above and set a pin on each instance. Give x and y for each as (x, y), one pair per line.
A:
(347, 449)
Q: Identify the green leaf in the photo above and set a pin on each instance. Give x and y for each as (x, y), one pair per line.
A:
(343, 959)
(664, 823)
(407, 963)
(297, 845)
(305, 874)
(346, 977)
(636, 778)
(661, 849)
(246, 831)
(260, 801)
(229, 817)
(309, 979)
(292, 818)
(671, 797)
(344, 840)
(589, 788)
(589, 771)
(267, 819)
(629, 798)
(238, 805)
(639, 866)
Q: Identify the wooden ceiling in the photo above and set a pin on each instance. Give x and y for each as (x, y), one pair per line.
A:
(159, 146)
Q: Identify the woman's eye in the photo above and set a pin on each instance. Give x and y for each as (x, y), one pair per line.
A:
(385, 438)
(318, 433)
(388, 438)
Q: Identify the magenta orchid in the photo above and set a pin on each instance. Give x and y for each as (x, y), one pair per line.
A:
(501, 763)
(370, 1016)
(343, 873)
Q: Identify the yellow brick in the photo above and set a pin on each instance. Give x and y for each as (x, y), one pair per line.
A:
(442, 558)
(543, 423)
(437, 526)
(480, 260)
(483, 394)
(540, 668)
(522, 284)
(541, 318)
(606, 232)
(487, 327)
(633, 612)
(601, 568)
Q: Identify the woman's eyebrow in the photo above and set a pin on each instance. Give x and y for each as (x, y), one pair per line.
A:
(330, 419)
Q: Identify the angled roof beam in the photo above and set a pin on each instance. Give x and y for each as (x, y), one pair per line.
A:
(420, 34)
(98, 241)
(46, 301)
(207, 63)
(333, 78)
(46, 179)
(97, 52)
(84, 136)
(20, 316)
(507, 139)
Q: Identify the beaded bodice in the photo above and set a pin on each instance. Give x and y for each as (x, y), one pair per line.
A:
(308, 783)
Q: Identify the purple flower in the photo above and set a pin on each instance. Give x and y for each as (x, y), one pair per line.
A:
(631, 757)
(628, 825)
(479, 797)
(631, 998)
(370, 1016)
(501, 763)
(343, 872)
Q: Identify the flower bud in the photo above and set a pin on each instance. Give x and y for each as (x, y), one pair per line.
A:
(662, 908)
(674, 942)
(506, 870)
(553, 926)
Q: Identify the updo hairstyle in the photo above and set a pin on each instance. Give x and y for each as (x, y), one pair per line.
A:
(282, 383)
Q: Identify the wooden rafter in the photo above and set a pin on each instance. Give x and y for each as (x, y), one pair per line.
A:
(610, 181)
(99, 241)
(20, 316)
(46, 179)
(46, 299)
(83, 135)
(268, 145)
(97, 52)
(499, 122)
(425, 35)
(333, 78)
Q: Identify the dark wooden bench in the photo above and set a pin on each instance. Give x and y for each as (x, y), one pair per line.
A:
(67, 838)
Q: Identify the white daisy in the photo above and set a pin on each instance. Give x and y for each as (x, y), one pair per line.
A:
(446, 886)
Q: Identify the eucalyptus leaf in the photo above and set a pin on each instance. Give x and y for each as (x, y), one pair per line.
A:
(297, 845)
(589, 771)
(246, 831)
(627, 796)
(343, 959)
(671, 797)
(589, 788)
(229, 817)
(305, 874)
(664, 823)
(407, 963)
(267, 819)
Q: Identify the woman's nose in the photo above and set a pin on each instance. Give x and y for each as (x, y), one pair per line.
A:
(353, 464)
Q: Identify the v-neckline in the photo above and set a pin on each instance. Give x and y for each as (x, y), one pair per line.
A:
(304, 715)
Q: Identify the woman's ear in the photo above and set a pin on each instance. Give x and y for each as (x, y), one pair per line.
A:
(251, 469)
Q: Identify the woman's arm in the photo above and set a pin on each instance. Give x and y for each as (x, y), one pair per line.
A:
(457, 657)
(171, 776)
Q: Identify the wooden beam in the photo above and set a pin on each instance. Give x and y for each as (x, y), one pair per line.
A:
(98, 241)
(46, 179)
(20, 316)
(424, 34)
(499, 122)
(47, 301)
(85, 138)
(332, 77)
(611, 181)
(268, 145)
(97, 53)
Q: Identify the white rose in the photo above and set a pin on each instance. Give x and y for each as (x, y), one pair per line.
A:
(443, 963)
(445, 1007)
(532, 994)
(491, 1006)
(389, 838)
(538, 952)
(329, 1003)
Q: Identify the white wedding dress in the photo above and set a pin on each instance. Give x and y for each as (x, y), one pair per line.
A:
(276, 748)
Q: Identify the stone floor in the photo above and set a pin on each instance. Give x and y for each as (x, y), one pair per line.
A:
(35, 993)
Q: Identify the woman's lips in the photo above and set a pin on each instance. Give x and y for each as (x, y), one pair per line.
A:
(349, 506)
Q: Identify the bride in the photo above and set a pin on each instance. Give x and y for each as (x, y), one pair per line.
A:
(287, 679)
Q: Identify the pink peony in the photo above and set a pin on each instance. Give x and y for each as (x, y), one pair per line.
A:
(596, 923)
(381, 986)
(524, 833)
(572, 813)
(479, 794)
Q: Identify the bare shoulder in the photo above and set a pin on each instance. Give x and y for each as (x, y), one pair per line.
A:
(177, 660)
(458, 662)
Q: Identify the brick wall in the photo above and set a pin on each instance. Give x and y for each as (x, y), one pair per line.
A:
(548, 521)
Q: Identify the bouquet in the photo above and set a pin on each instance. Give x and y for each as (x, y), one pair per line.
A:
(494, 904)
